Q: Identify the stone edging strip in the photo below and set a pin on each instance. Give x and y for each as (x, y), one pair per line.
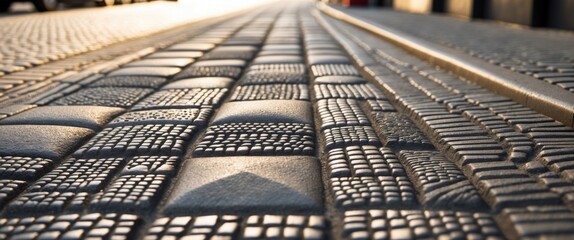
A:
(549, 100)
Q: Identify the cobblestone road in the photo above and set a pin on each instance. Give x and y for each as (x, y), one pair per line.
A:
(276, 123)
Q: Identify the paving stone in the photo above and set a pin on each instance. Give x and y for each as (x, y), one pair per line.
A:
(220, 63)
(79, 175)
(337, 137)
(327, 59)
(162, 62)
(36, 203)
(340, 80)
(289, 68)
(211, 71)
(231, 52)
(105, 96)
(417, 224)
(93, 117)
(138, 140)
(537, 222)
(15, 109)
(341, 112)
(248, 184)
(265, 111)
(440, 182)
(368, 176)
(183, 98)
(191, 47)
(254, 77)
(379, 105)
(205, 82)
(278, 59)
(175, 54)
(270, 92)
(353, 91)
(255, 139)
(24, 168)
(334, 70)
(236, 227)
(372, 192)
(398, 130)
(185, 116)
(43, 141)
(146, 71)
(131, 194)
(72, 226)
(130, 81)
(145, 165)
(9, 189)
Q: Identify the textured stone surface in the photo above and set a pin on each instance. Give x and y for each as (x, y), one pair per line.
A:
(340, 80)
(257, 139)
(350, 135)
(79, 175)
(274, 76)
(44, 141)
(398, 129)
(206, 82)
(231, 226)
(10, 189)
(220, 63)
(138, 140)
(131, 193)
(186, 116)
(341, 112)
(105, 96)
(163, 62)
(94, 225)
(146, 71)
(271, 91)
(93, 117)
(209, 71)
(334, 70)
(183, 98)
(416, 224)
(248, 184)
(23, 168)
(265, 111)
(130, 81)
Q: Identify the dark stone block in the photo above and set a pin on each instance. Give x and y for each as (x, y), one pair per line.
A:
(43, 141)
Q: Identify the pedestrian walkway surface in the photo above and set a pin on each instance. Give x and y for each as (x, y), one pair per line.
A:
(273, 123)
(547, 55)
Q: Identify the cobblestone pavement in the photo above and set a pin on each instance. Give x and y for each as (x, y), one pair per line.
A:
(546, 55)
(277, 123)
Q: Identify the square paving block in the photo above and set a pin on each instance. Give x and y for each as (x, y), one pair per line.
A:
(204, 82)
(280, 59)
(183, 98)
(105, 96)
(44, 141)
(265, 111)
(175, 54)
(146, 71)
(328, 59)
(271, 91)
(130, 81)
(191, 47)
(220, 63)
(248, 185)
(211, 71)
(340, 80)
(93, 117)
(184, 116)
(163, 62)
